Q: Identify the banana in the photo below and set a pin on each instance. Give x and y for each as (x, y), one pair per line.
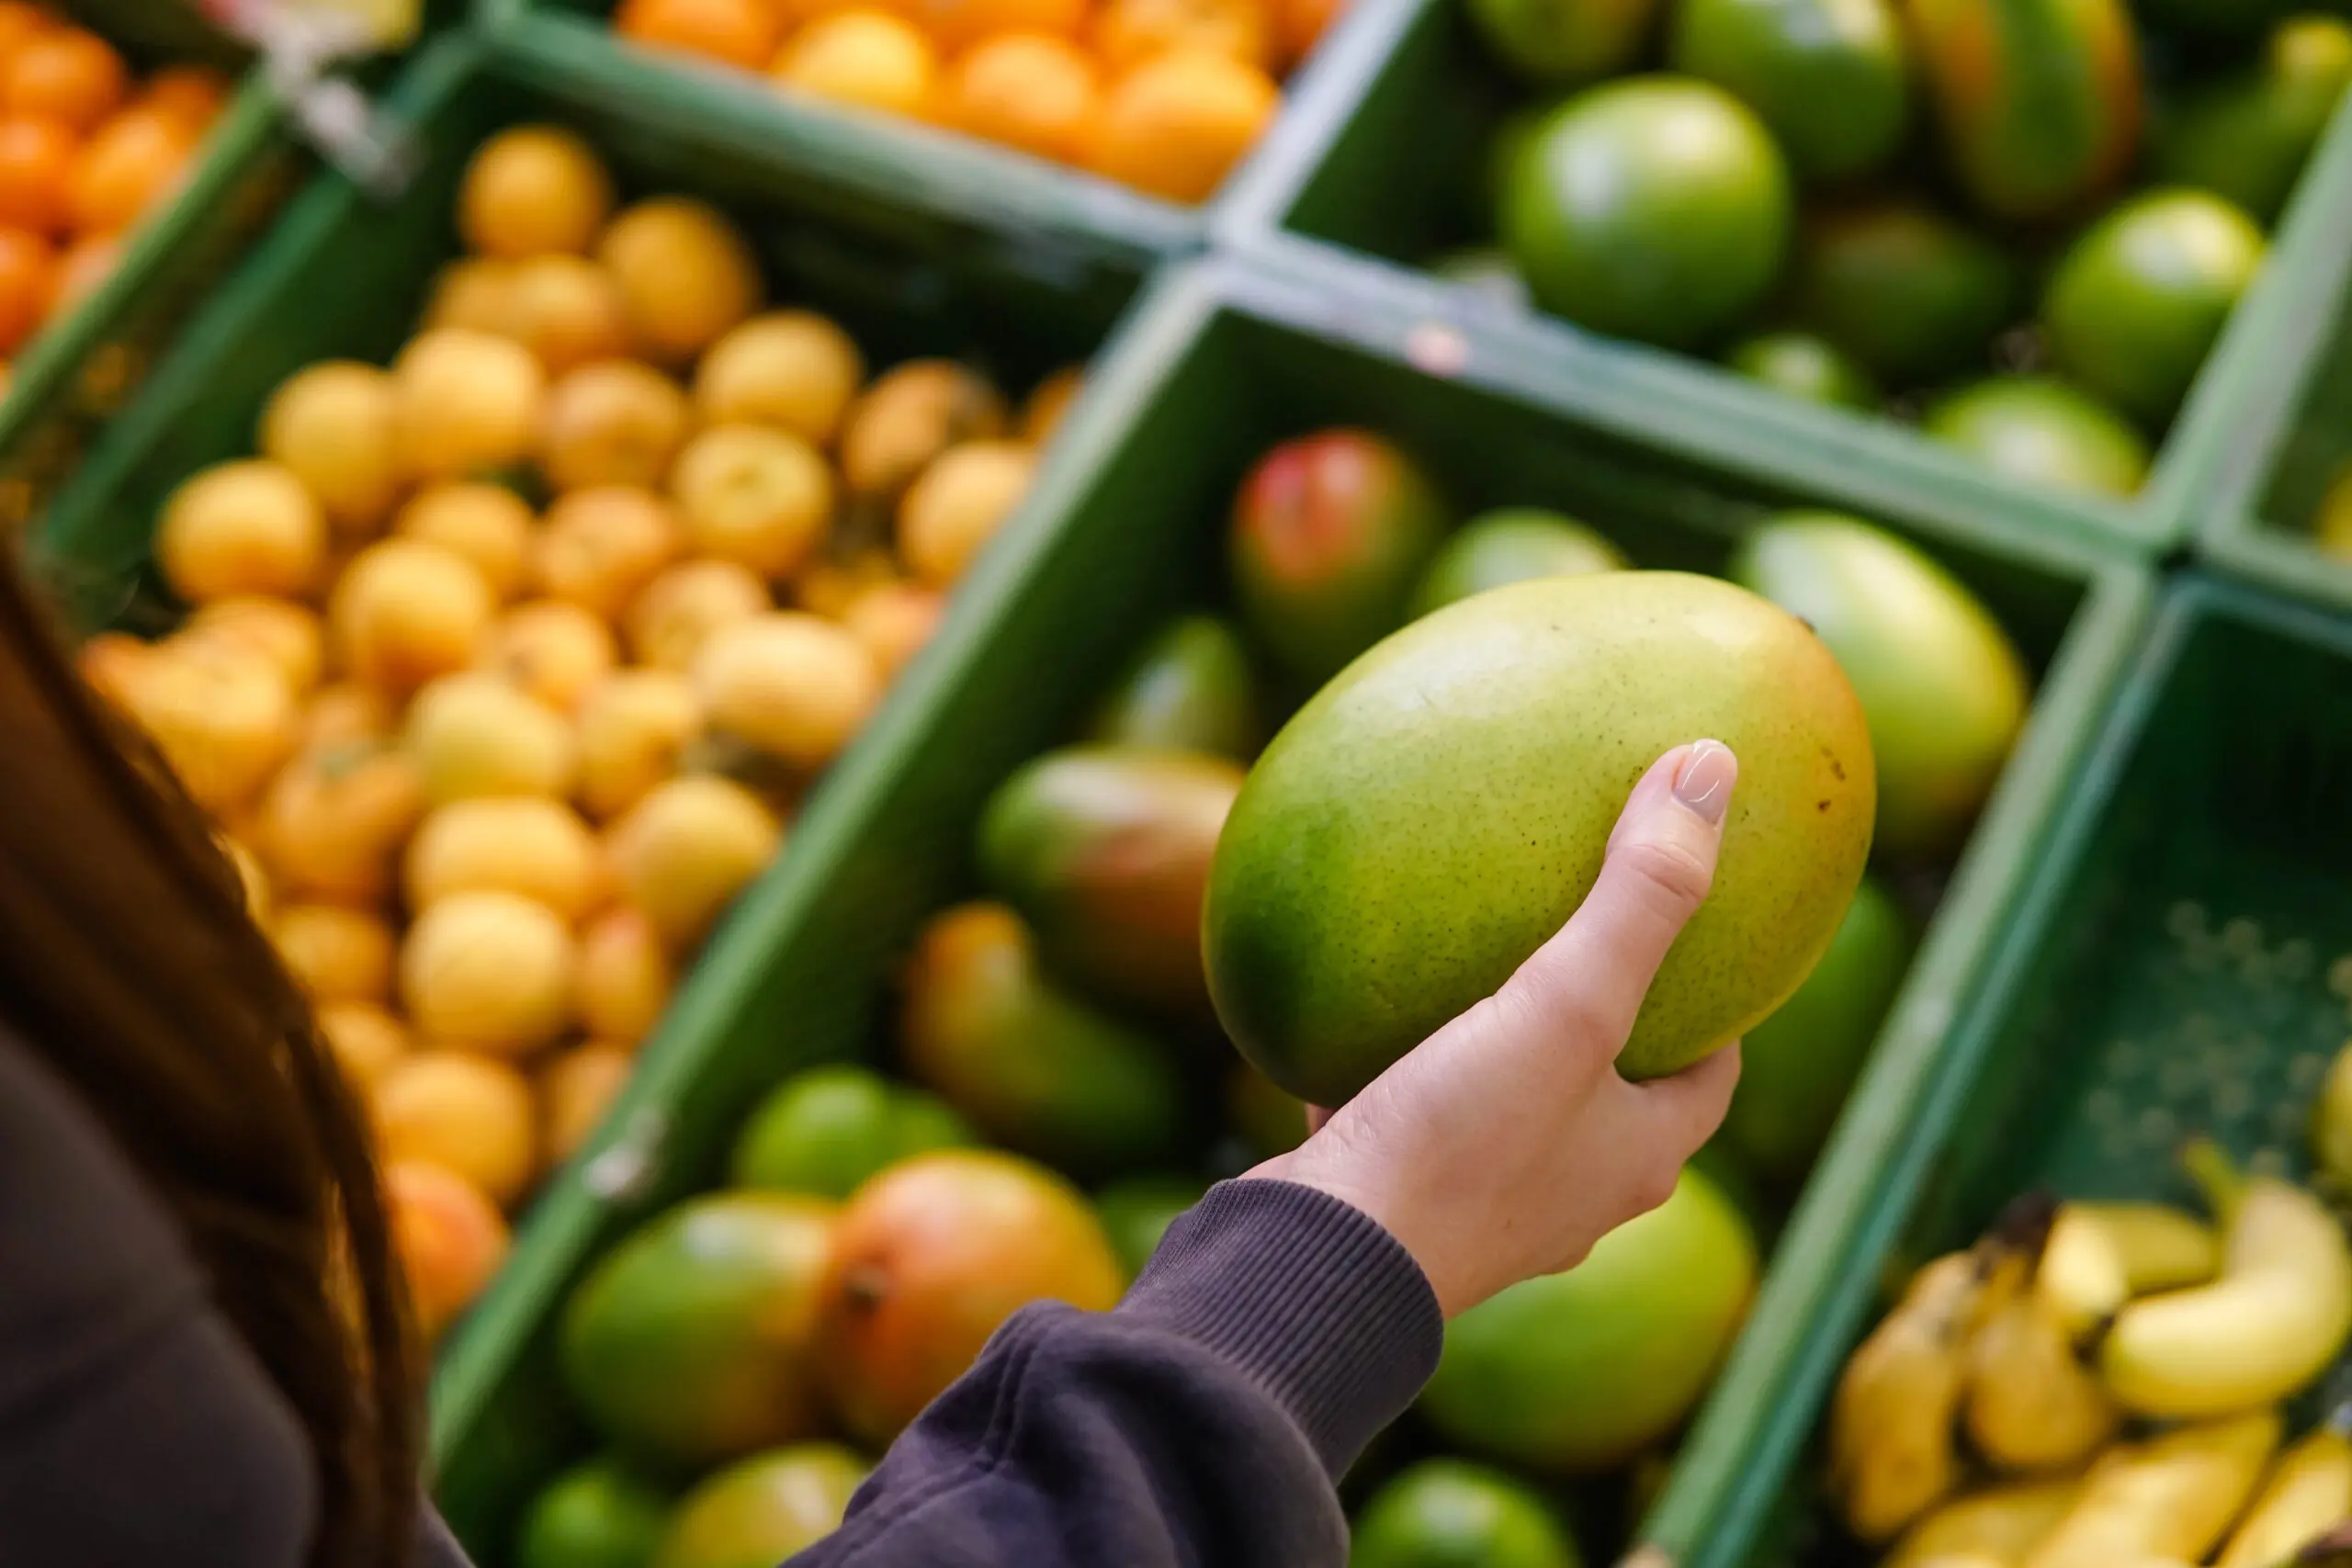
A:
(1890, 1424)
(2271, 1323)
(2030, 1404)
(2169, 1497)
(2332, 1124)
(2101, 1255)
(1999, 1525)
(2308, 1490)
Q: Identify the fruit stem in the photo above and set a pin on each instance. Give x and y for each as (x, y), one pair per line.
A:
(2217, 1176)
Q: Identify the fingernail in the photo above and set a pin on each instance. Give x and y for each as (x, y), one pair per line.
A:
(1704, 782)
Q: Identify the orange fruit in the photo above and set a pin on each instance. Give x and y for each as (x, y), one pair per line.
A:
(222, 718)
(894, 620)
(753, 495)
(686, 850)
(405, 612)
(1299, 26)
(540, 849)
(114, 662)
(37, 156)
(129, 164)
(192, 95)
(739, 32)
(614, 423)
(685, 275)
(566, 310)
(790, 684)
(490, 971)
(1128, 33)
(489, 524)
(20, 21)
(338, 954)
(366, 1039)
(624, 976)
(65, 71)
(957, 25)
(240, 528)
(957, 506)
(27, 285)
(474, 733)
(1042, 414)
(467, 401)
(474, 293)
(634, 730)
(1033, 91)
(334, 427)
(793, 369)
(555, 651)
(533, 191)
(344, 713)
(464, 1114)
(576, 1090)
(87, 264)
(909, 415)
(1174, 126)
(450, 1239)
(599, 547)
(682, 607)
(290, 636)
(829, 586)
(332, 823)
(869, 59)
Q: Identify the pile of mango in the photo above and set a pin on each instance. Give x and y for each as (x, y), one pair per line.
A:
(506, 663)
(1164, 95)
(2022, 222)
(1059, 1088)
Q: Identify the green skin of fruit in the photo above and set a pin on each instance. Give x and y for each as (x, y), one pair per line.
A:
(1136, 1212)
(1562, 41)
(689, 1343)
(1908, 292)
(1943, 688)
(1797, 1066)
(1104, 850)
(1578, 1372)
(2039, 100)
(1806, 367)
(1449, 1513)
(598, 1515)
(1512, 543)
(759, 1512)
(1191, 689)
(827, 1130)
(2041, 431)
(1432, 816)
(1329, 534)
(2246, 137)
(1655, 208)
(2140, 298)
(1831, 78)
(1033, 1067)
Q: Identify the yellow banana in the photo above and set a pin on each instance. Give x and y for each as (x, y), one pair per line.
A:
(2169, 1497)
(1999, 1525)
(2267, 1327)
(2030, 1404)
(1890, 1425)
(2101, 1255)
(2310, 1490)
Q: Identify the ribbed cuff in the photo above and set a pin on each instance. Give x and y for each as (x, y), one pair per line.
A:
(1306, 1295)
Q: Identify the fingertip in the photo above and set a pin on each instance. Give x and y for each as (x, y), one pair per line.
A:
(1694, 1102)
(1703, 780)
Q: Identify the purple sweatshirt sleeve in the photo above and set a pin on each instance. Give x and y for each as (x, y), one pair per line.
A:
(1202, 1422)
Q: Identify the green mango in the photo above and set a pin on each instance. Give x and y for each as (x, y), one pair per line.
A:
(1034, 1067)
(1562, 41)
(1910, 293)
(1432, 816)
(597, 1514)
(1831, 78)
(2039, 100)
(2247, 136)
(1330, 533)
(1189, 689)
(1806, 367)
(1940, 684)
(1104, 850)
(1580, 1373)
(1511, 544)
(1449, 1513)
(827, 1130)
(2039, 431)
(1797, 1066)
(1137, 1211)
(758, 1512)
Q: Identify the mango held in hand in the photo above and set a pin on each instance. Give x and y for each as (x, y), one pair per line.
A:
(1431, 817)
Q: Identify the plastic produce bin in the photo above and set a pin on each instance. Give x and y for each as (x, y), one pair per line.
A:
(1127, 524)
(2178, 962)
(1379, 166)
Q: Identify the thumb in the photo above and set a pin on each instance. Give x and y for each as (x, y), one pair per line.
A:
(1589, 979)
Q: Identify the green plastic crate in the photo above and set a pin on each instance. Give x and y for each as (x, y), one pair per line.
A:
(1383, 178)
(2180, 963)
(1125, 526)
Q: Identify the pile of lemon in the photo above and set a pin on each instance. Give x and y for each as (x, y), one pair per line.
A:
(493, 767)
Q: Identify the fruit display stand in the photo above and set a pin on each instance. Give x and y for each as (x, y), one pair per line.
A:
(1386, 179)
(2175, 966)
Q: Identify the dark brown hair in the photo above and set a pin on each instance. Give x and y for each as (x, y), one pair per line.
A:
(130, 968)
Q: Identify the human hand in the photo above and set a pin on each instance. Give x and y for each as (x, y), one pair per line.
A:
(1505, 1144)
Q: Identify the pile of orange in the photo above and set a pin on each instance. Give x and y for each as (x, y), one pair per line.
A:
(507, 663)
(84, 151)
(1164, 95)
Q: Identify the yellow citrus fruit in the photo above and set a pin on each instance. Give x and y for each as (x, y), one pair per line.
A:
(1175, 124)
(575, 1090)
(793, 369)
(451, 1240)
(734, 32)
(114, 662)
(827, 587)
(490, 971)
(956, 507)
(343, 713)
(242, 528)
(468, 402)
(405, 611)
(682, 606)
(334, 428)
(366, 1040)
(754, 495)
(488, 524)
(869, 60)
(223, 718)
(958, 25)
(463, 1113)
(1033, 91)
(684, 273)
(476, 734)
(687, 850)
(1129, 32)
(333, 822)
(531, 191)
(474, 294)
(538, 848)
(790, 684)
(554, 650)
(909, 416)
(624, 976)
(634, 730)
(1042, 414)
(600, 548)
(567, 311)
(613, 422)
(289, 637)
(339, 954)
(894, 620)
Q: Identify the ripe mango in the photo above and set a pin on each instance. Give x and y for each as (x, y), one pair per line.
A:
(1433, 815)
